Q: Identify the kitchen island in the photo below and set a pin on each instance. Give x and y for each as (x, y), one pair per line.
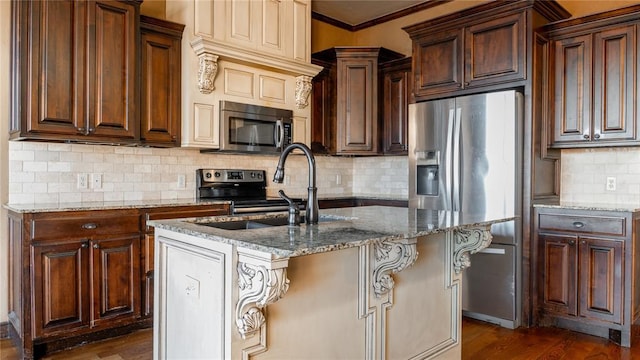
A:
(365, 283)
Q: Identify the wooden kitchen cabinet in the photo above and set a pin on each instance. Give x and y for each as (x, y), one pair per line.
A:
(587, 265)
(163, 213)
(346, 102)
(160, 111)
(593, 94)
(396, 95)
(460, 52)
(75, 71)
(77, 275)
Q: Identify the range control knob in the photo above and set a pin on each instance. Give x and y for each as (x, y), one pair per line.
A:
(259, 175)
(207, 175)
(216, 174)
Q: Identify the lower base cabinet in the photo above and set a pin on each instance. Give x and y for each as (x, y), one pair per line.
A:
(80, 276)
(587, 267)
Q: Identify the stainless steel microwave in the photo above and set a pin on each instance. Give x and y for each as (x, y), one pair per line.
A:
(254, 129)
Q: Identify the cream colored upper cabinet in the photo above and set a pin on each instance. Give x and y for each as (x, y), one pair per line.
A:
(277, 27)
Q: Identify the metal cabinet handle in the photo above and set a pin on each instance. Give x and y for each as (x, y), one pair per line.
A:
(596, 136)
(96, 246)
(578, 224)
(572, 242)
(586, 136)
(84, 245)
(90, 226)
(583, 242)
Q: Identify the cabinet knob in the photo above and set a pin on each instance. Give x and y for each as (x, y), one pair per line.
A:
(81, 129)
(586, 136)
(596, 136)
(578, 224)
(583, 242)
(96, 246)
(572, 242)
(84, 245)
(90, 226)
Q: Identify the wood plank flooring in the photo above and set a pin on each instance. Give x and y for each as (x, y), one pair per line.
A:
(480, 341)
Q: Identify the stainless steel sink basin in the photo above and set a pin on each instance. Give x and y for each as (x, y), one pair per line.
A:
(261, 223)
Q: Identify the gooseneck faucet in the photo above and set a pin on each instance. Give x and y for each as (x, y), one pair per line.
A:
(312, 198)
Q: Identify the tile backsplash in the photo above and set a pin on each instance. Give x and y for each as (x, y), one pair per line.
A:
(585, 173)
(41, 172)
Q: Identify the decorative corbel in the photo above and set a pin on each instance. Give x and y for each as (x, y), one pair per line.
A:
(467, 242)
(260, 283)
(391, 257)
(207, 72)
(303, 89)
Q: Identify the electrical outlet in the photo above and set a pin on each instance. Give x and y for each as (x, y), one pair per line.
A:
(611, 183)
(82, 181)
(96, 181)
(182, 181)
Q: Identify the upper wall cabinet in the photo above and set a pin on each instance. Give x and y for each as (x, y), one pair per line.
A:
(345, 100)
(75, 71)
(160, 88)
(594, 71)
(467, 52)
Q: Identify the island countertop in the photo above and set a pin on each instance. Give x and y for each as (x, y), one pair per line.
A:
(342, 228)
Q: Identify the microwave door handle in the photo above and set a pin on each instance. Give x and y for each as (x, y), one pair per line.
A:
(279, 134)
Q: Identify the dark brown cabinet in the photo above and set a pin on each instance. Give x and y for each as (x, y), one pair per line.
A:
(160, 87)
(396, 95)
(455, 53)
(593, 92)
(586, 270)
(345, 100)
(78, 273)
(76, 70)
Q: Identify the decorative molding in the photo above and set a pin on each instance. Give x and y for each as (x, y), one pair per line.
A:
(254, 58)
(261, 281)
(467, 242)
(207, 71)
(391, 257)
(303, 89)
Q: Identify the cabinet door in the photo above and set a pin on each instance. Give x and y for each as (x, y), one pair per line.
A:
(572, 90)
(60, 287)
(147, 274)
(438, 63)
(53, 97)
(559, 267)
(112, 70)
(322, 111)
(160, 89)
(357, 106)
(495, 51)
(116, 278)
(272, 37)
(600, 289)
(396, 90)
(614, 72)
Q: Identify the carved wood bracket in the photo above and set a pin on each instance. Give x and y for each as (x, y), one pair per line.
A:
(391, 257)
(207, 71)
(303, 89)
(261, 281)
(467, 242)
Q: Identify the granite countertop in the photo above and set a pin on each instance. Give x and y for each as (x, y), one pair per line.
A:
(108, 205)
(141, 204)
(591, 206)
(348, 227)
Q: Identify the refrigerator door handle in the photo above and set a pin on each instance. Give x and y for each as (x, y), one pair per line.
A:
(457, 183)
(448, 181)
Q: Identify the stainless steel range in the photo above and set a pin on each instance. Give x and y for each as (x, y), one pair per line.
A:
(247, 189)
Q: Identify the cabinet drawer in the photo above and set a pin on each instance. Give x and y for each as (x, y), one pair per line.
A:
(185, 213)
(583, 224)
(69, 226)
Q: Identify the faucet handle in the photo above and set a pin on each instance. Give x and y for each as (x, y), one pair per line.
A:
(294, 209)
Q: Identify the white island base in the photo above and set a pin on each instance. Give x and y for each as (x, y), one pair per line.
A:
(385, 299)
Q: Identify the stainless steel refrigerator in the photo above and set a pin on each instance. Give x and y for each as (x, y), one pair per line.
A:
(465, 154)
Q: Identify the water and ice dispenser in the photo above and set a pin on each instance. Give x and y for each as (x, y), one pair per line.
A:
(427, 172)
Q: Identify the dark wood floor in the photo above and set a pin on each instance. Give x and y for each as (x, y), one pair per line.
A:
(480, 340)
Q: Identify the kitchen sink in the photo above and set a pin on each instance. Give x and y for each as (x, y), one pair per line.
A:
(263, 223)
